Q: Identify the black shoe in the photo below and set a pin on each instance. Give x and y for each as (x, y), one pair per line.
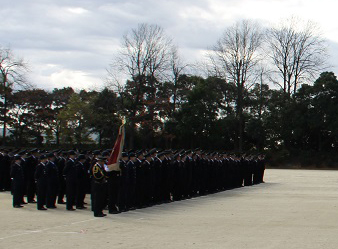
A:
(52, 207)
(43, 208)
(62, 202)
(114, 212)
(24, 203)
(18, 206)
(81, 207)
(33, 201)
(99, 215)
(71, 209)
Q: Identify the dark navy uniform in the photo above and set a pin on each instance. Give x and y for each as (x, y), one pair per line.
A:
(99, 184)
(41, 183)
(61, 163)
(18, 182)
(53, 183)
(81, 185)
(70, 173)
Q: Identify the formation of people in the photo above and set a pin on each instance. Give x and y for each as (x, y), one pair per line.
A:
(144, 177)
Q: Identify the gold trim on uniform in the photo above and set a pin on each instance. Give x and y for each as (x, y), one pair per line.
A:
(98, 172)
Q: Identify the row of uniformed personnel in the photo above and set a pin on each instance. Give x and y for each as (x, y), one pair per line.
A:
(51, 178)
(146, 177)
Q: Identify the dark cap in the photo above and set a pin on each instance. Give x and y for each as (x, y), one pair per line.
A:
(161, 154)
(105, 153)
(152, 151)
(101, 158)
(132, 154)
(176, 156)
(139, 153)
(33, 150)
(81, 157)
(96, 152)
(124, 154)
(43, 157)
(21, 153)
(50, 155)
(147, 155)
(71, 153)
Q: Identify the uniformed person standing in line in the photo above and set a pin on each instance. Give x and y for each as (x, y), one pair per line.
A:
(93, 161)
(175, 166)
(53, 182)
(23, 164)
(146, 166)
(70, 173)
(124, 181)
(18, 181)
(41, 182)
(81, 182)
(6, 169)
(32, 162)
(99, 187)
(61, 163)
(131, 168)
(113, 190)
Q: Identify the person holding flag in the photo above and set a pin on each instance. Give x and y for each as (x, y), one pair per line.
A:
(114, 171)
(111, 170)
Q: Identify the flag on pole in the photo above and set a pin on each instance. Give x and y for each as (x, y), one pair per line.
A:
(114, 159)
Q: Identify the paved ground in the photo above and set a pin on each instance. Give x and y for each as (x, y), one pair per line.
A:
(293, 209)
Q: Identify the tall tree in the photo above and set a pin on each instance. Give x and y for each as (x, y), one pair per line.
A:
(105, 111)
(235, 57)
(60, 98)
(297, 52)
(75, 120)
(12, 74)
(144, 58)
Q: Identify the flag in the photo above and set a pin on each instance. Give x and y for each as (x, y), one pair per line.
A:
(114, 159)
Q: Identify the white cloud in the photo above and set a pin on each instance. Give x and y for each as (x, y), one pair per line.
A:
(73, 42)
(77, 10)
(75, 79)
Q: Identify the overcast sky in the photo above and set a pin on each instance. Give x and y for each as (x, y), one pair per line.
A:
(71, 42)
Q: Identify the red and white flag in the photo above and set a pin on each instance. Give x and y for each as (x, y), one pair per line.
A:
(114, 159)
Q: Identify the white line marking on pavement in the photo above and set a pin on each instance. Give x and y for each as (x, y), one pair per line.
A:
(46, 229)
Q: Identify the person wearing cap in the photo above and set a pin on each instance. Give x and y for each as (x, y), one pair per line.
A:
(41, 179)
(157, 175)
(174, 165)
(61, 163)
(146, 165)
(113, 189)
(93, 161)
(53, 181)
(18, 181)
(81, 182)
(164, 187)
(24, 155)
(6, 169)
(99, 182)
(139, 194)
(70, 173)
(31, 164)
(131, 168)
(124, 181)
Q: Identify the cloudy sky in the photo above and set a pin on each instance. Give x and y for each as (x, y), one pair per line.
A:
(71, 42)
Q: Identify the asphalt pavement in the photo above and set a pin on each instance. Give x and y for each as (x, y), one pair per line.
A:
(292, 209)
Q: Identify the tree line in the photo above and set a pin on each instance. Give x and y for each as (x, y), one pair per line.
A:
(259, 90)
